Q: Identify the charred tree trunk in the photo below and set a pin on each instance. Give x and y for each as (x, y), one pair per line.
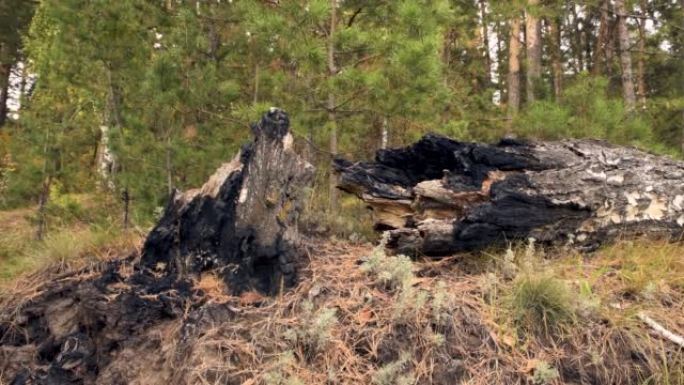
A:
(243, 220)
(440, 196)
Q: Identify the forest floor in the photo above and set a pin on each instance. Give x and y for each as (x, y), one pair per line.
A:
(358, 316)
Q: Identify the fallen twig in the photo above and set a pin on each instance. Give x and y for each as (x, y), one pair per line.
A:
(677, 339)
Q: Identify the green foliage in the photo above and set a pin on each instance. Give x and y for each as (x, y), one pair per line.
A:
(585, 111)
(317, 332)
(544, 373)
(394, 372)
(279, 374)
(391, 272)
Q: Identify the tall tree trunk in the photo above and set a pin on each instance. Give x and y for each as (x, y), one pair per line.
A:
(500, 58)
(41, 225)
(556, 59)
(681, 6)
(589, 39)
(625, 56)
(332, 116)
(600, 51)
(641, 63)
(484, 31)
(116, 120)
(533, 49)
(514, 69)
(5, 71)
(577, 39)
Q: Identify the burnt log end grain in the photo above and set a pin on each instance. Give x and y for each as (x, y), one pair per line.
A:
(441, 196)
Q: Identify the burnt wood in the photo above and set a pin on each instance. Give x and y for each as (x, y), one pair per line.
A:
(440, 196)
(243, 221)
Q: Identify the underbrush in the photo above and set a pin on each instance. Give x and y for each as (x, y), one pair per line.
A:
(20, 254)
(76, 231)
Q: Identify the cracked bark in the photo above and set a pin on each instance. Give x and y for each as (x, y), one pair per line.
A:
(242, 221)
(440, 196)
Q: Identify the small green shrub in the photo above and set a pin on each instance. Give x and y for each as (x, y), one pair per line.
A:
(392, 272)
(279, 375)
(544, 373)
(317, 330)
(440, 303)
(395, 273)
(394, 372)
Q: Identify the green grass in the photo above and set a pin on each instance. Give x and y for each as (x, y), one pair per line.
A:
(87, 235)
(20, 253)
(541, 302)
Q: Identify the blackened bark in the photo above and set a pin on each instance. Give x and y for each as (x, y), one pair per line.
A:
(243, 220)
(440, 196)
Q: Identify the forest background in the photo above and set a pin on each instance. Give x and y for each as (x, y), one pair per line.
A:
(106, 107)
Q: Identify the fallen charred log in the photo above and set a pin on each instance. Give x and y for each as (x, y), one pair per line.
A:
(441, 196)
(238, 231)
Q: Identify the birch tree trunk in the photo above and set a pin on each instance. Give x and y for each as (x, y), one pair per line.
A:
(484, 32)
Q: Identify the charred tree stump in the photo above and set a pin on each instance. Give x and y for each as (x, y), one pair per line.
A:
(441, 196)
(239, 227)
(242, 222)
